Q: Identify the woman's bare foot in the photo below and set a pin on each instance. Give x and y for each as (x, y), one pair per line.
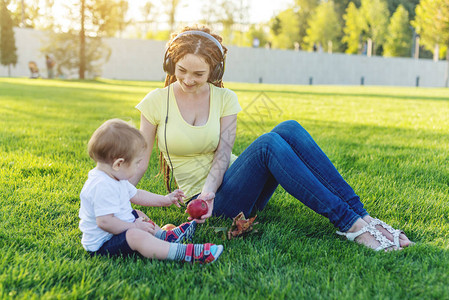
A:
(403, 239)
(366, 238)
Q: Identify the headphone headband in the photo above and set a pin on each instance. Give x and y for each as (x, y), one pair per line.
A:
(201, 33)
(217, 71)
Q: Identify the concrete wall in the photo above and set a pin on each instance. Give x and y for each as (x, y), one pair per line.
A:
(142, 60)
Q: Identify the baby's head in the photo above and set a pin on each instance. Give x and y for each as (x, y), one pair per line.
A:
(116, 139)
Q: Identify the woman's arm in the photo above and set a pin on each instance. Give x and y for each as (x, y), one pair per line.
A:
(222, 156)
(149, 133)
(220, 164)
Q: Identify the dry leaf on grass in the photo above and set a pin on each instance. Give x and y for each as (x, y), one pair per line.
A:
(241, 226)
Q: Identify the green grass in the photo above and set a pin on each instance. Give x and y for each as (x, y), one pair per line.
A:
(391, 144)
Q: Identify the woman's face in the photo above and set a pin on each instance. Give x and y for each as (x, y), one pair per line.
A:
(192, 72)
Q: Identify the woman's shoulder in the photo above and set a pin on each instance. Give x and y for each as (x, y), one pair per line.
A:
(223, 92)
(156, 93)
(154, 97)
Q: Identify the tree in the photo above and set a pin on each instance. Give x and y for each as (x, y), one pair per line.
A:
(376, 16)
(107, 17)
(31, 13)
(353, 28)
(288, 32)
(172, 7)
(65, 47)
(224, 14)
(95, 19)
(98, 18)
(82, 47)
(342, 5)
(432, 24)
(324, 28)
(8, 55)
(409, 6)
(303, 9)
(399, 39)
(246, 39)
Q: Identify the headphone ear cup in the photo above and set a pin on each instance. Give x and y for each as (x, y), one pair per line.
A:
(217, 73)
(169, 67)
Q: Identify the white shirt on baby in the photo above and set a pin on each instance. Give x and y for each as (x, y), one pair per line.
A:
(102, 195)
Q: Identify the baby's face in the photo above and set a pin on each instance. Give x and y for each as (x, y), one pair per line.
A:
(128, 170)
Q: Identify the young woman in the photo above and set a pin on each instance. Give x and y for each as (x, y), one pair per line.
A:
(194, 120)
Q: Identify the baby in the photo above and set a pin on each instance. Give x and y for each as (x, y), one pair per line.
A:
(109, 224)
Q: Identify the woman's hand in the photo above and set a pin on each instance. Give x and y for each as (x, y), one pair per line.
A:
(174, 198)
(209, 198)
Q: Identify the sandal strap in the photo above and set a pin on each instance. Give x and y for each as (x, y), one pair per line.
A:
(189, 253)
(394, 232)
(382, 239)
(372, 230)
(353, 235)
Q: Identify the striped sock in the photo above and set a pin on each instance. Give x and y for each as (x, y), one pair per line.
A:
(161, 234)
(176, 251)
(201, 253)
(183, 232)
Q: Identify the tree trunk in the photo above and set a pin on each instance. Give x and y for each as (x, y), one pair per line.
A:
(9, 71)
(447, 69)
(82, 67)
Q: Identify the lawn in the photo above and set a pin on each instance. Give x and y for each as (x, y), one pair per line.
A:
(390, 144)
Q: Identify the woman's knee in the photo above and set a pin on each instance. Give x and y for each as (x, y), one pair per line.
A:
(287, 126)
(268, 139)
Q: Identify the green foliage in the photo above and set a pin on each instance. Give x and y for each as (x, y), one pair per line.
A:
(275, 26)
(399, 38)
(8, 55)
(342, 5)
(432, 23)
(303, 10)
(288, 33)
(376, 15)
(224, 14)
(245, 39)
(324, 27)
(65, 49)
(161, 35)
(353, 29)
(390, 144)
(31, 12)
(409, 6)
(102, 18)
(107, 17)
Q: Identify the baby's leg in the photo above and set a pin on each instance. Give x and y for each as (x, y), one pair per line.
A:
(152, 247)
(146, 244)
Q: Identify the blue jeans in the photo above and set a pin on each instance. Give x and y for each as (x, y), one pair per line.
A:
(290, 157)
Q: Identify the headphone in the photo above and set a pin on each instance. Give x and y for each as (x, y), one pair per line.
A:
(217, 72)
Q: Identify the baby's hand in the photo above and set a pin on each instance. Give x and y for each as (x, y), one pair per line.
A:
(145, 225)
(175, 197)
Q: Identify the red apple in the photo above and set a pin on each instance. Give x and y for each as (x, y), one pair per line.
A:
(197, 208)
(167, 227)
(149, 221)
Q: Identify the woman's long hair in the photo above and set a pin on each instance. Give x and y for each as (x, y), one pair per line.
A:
(191, 44)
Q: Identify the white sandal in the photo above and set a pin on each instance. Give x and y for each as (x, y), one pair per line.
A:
(394, 232)
(382, 239)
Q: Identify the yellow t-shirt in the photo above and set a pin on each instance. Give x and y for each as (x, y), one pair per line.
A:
(191, 148)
